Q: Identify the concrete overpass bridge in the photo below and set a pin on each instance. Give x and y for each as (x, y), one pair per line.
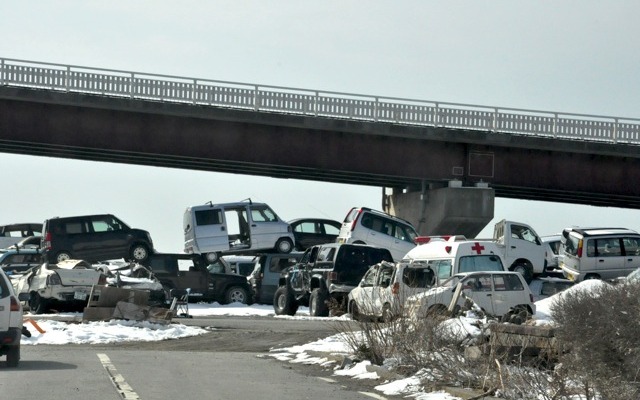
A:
(443, 162)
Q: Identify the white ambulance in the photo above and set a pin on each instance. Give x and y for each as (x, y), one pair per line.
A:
(449, 257)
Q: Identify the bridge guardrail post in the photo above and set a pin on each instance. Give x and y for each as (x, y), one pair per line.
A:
(555, 125)
(494, 123)
(67, 73)
(193, 91)
(376, 108)
(256, 98)
(315, 103)
(2, 82)
(436, 115)
(131, 83)
(615, 131)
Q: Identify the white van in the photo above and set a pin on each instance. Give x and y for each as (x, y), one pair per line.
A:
(363, 225)
(449, 257)
(234, 228)
(599, 253)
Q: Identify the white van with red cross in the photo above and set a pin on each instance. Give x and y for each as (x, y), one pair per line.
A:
(449, 257)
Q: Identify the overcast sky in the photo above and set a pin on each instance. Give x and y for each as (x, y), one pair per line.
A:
(568, 56)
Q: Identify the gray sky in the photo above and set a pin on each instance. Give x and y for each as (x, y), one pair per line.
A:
(568, 56)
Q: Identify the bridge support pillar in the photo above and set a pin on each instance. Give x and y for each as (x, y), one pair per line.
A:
(451, 210)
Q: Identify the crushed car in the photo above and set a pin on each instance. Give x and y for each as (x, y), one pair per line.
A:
(62, 286)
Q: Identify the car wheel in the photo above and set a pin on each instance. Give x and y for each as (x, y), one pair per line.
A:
(212, 257)
(387, 314)
(517, 315)
(139, 252)
(317, 303)
(283, 302)
(525, 270)
(284, 245)
(438, 311)
(236, 294)
(354, 311)
(63, 256)
(13, 356)
(38, 304)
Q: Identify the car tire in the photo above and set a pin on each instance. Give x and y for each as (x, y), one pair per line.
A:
(317, 303)
(283, 302)
(38, 304)
(13, 356)
(139, 252)
(438, 311)
(236, 294)
(284, 245)
(524, 269)
(62, 256)
(211, 257)
(355, 312)
(387, 314)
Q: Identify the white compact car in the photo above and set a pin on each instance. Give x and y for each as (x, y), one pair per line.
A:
(363, 225)
(385, 287)
(496, 293)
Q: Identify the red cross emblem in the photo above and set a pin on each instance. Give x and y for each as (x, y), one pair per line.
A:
(476, 247)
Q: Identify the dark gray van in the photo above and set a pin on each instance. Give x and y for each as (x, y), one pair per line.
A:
(93, 238)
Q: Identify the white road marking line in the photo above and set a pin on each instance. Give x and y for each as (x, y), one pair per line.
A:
(327, 379)
(123, 388)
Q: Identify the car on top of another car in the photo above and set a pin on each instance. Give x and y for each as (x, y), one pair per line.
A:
(312, 231)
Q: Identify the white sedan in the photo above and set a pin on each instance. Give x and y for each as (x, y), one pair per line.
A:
(496, 293)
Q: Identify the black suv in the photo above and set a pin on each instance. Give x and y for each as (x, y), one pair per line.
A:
(324, 277)
(212, 282)
(93, 238)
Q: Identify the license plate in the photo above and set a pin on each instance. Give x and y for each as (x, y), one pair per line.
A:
(80, 296)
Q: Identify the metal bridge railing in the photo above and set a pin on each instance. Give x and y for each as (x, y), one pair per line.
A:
(145, 86)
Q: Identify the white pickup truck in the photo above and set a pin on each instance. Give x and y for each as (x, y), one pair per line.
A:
(523, 250)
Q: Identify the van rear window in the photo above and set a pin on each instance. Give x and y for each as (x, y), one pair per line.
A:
(208, 217)
(480, 263)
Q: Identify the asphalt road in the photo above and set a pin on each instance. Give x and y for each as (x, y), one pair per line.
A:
(229, 362)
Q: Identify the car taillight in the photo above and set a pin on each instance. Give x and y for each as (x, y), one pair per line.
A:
(579, 252)
(15, 305)
(54, 279)
(531, 297)
(355, 220)
(395, 289)
(102, 280)
(47, 241)
(333, 276)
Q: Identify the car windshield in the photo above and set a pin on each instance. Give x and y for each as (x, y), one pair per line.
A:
(480, 263)
(453, 281)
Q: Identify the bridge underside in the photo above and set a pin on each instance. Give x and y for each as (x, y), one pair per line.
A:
(406, 158)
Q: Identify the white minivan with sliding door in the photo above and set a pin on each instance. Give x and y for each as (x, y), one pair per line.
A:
(213, 230)
(599, 253)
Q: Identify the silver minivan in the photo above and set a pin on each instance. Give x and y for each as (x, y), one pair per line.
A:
(233, 228)
(599, 253)
(363, 225)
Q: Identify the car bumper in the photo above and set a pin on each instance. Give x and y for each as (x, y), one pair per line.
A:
(11, 337)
